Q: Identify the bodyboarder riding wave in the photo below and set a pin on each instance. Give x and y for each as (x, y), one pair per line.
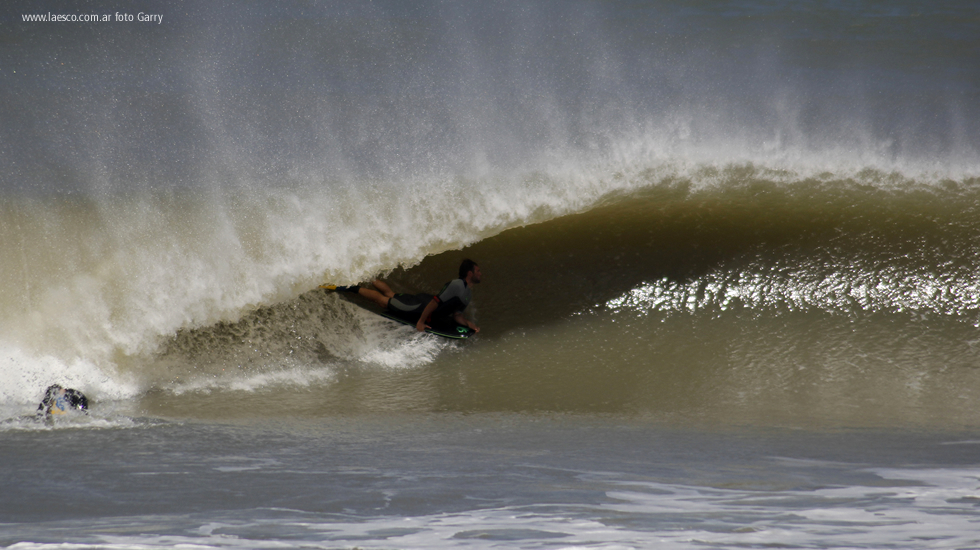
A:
(450, 302)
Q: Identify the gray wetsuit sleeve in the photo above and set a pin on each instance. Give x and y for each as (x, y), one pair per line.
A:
(453, 298)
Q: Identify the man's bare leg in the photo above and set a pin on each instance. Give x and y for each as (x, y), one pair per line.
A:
(380, 298)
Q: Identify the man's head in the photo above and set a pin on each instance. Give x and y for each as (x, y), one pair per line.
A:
(469, 271)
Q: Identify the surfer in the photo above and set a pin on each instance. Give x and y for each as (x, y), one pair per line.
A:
(59, 400)
(449, 302)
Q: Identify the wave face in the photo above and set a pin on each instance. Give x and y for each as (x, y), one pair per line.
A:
(741, 211)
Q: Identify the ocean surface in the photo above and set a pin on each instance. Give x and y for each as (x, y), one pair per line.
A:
(731, 258)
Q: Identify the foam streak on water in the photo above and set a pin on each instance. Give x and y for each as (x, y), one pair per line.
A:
(401, 490)
(666, 516)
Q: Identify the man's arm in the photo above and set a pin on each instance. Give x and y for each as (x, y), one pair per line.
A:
(433, 304)
(461, 319)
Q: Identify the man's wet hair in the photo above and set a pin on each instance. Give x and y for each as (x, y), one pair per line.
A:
(466, 267)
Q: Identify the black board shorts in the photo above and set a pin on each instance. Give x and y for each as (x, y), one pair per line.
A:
(408, 306)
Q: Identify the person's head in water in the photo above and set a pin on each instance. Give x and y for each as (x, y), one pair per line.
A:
(467, 267)
(59, 400)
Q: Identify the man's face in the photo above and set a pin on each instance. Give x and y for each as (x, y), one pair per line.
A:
(476, 274)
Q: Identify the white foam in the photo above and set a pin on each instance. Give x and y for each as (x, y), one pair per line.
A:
(295, 376)
(23, 378)
(400, 348)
